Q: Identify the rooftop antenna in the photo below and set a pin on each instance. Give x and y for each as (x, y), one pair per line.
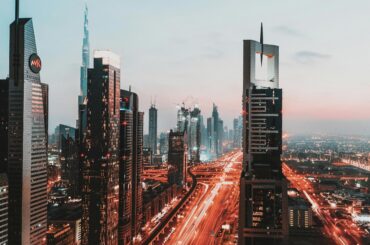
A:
(16, 10)
(261, 42)
(129, 88)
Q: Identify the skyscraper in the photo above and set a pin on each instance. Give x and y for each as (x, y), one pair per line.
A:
(182, 119)
(27, 139)
(177, 156)
(153, 128)
(194, 135)
(215, 131)
(238, 129)
(101, 159)
(82, 98)
(263, 196)
(131, 167)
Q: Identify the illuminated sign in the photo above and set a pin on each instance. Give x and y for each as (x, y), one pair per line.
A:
(35, 63)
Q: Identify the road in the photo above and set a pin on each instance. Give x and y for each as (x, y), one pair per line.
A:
(216, 203)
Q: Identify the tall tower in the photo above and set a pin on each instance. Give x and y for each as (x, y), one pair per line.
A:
(131, 167)
(153, 112)
(82, 99)
(100, 192)
(215, 132)
(27, 139)
(263, 198)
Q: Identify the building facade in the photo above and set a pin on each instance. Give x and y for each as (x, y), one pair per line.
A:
(101, 159)
(27, 139)
(263, 195)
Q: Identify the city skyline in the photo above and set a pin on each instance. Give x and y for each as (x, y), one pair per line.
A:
(315, 54)
(236, 173)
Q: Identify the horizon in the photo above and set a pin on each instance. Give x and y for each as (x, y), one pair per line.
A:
(191, 46)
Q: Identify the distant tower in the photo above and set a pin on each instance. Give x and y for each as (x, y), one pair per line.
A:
(101, 159)
(153, 113)
(215, 132)
(263, 196)
(27, 138)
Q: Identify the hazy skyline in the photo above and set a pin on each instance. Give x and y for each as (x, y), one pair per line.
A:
(176, 51)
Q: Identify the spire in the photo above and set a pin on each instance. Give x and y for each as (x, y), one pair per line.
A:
(261, 42)
(85, 57)
(86, 42)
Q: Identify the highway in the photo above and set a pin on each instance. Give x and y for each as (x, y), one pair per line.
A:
(216, 203)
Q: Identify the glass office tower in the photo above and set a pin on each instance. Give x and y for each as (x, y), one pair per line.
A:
(101, 159)
(131, 167)
(27, 154)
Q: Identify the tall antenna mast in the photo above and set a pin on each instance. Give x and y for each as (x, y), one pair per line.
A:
(16, 11)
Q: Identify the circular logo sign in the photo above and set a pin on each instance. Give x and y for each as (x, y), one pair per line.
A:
(35, 63)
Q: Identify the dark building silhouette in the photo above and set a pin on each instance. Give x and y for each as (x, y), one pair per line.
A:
(4, 99)
(177, 157)
(263, 195)
(68, 157)
(131, 167)
(153, 113)
(27, 138)
(101, 159)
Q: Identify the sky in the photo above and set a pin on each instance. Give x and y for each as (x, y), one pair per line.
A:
(191, 51)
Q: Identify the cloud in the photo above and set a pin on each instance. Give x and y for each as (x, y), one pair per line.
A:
(307, 57)
(286, 30)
